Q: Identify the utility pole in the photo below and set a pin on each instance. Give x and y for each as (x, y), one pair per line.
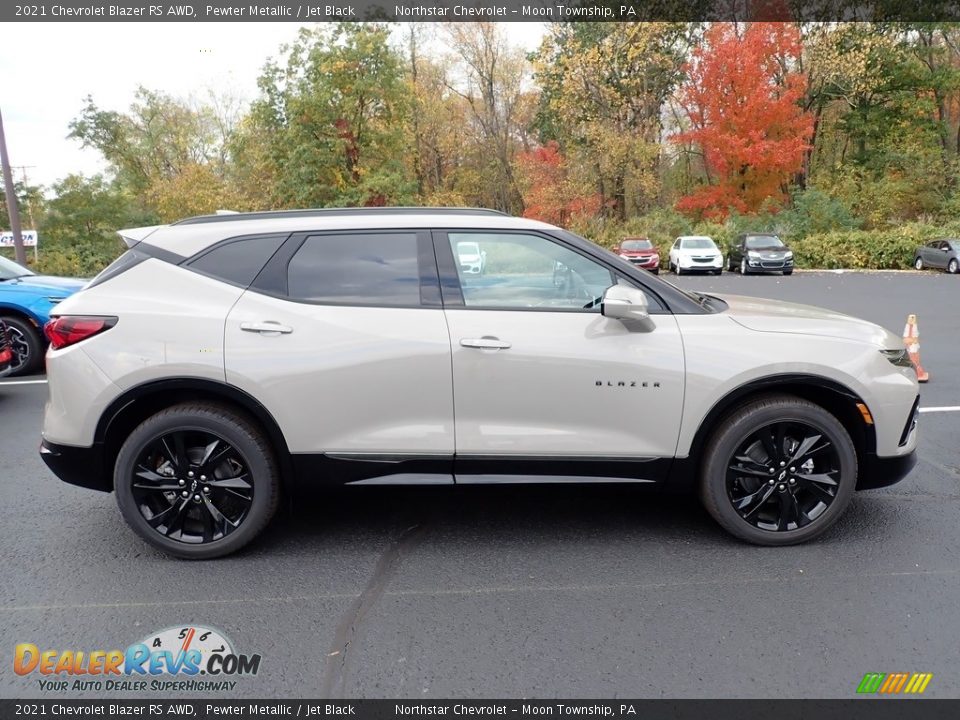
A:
(12, 208)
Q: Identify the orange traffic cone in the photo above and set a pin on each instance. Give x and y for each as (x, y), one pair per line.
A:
(911, 338)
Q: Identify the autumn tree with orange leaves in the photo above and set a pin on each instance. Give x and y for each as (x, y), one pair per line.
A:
(551, 190)
(741, 99)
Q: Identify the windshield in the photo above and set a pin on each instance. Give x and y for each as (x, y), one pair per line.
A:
(697, 243)
(10, 270)
(635, 245)
(954, 244)
(754, 242)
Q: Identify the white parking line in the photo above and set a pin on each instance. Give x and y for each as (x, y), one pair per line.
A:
(944, 408)
(22, 382)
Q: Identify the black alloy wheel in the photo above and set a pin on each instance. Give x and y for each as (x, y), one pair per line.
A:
(197, 480)
(192, 486)
(25, 344)
(783, 476)
(778, 470)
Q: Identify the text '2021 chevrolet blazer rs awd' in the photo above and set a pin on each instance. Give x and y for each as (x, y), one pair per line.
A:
(222, 359)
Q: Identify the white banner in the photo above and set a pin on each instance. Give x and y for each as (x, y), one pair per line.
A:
(29, 238)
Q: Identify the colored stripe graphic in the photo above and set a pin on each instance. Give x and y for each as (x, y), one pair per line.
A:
(895, 683)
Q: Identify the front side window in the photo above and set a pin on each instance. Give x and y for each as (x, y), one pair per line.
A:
(379, 269)
(521, 271)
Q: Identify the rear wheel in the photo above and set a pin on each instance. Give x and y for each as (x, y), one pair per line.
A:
(918, 263)
(26, 344)
(952, 267)
(779, 471)
(197, 481)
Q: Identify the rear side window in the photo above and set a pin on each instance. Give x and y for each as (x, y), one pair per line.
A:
(380, 269)
(238, 261)
(123, 263)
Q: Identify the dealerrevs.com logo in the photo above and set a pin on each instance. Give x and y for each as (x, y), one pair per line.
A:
(186, 658)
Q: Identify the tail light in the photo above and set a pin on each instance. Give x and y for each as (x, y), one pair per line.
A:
(70, 329)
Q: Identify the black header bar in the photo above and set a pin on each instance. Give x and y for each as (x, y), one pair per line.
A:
(467, 10)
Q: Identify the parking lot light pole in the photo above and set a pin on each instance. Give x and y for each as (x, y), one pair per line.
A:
(12, 208)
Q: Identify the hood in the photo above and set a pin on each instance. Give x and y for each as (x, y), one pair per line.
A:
(775, 316)
(632, 253)
(699, 251)
(47, 283)
(770, 251)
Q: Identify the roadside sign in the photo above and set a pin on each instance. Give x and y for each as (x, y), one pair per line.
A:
(29, 238)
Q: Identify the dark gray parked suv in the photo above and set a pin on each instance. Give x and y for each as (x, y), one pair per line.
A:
(759, 252)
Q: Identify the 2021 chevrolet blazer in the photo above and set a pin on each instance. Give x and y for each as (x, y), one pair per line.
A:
(223, 359)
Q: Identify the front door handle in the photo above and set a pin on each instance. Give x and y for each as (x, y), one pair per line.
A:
(487, 342)
(268, 327)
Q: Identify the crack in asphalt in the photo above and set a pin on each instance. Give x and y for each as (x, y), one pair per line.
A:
(497, 589)
(347, 634)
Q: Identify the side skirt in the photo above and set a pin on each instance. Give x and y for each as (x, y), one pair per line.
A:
(427, 469)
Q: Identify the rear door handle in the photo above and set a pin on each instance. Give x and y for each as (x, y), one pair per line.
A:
(487, 342)
(268, 327)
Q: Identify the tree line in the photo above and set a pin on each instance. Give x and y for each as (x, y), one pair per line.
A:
(606, 128)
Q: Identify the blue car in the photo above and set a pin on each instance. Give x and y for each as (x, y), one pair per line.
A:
(25, 303)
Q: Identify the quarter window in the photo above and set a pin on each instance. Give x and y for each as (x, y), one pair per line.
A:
(356, 269)
(521, 271)
(238, 261)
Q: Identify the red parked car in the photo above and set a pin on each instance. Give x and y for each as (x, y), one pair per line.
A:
(641, 252)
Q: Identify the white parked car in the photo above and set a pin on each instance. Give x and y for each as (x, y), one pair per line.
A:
(472, 258)
(695, 253)
(222, 360)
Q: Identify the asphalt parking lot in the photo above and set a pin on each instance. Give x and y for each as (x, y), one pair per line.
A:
(523, 592)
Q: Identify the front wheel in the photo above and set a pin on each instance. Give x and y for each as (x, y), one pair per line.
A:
(788, 272)
(918, 263)
(26, 345)
(779, 471)
(952, 267)
(197, 480)
(743, 267)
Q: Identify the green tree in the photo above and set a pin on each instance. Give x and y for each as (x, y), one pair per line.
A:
(335, 119)
(604, 86)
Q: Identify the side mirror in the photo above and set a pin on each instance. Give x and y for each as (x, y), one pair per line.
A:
(629, 305)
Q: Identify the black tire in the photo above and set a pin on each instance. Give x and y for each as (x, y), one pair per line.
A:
(718, 272)
(27, 346)
(788, 272)
(158, 494)
(655, 271)
(953, 266)
(743, 267)
(918, 263)
(720, 483)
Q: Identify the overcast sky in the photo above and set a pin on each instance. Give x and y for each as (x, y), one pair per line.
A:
(47, 70)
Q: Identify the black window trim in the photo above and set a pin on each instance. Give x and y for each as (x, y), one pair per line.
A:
(272, 279)
(453, 293)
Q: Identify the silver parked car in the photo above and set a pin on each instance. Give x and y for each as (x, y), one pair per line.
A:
(943, 254)
(224, 359)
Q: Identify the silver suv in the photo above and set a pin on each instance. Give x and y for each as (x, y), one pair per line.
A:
(223, 359)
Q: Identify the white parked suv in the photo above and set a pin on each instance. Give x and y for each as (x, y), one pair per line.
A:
(695, 253)
(224, 359)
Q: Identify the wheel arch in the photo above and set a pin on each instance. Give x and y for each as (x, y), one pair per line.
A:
(836, 398)
(139, 402)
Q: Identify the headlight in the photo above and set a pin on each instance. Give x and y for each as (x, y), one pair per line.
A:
(753, 255)
(789, 256)
(899, 357)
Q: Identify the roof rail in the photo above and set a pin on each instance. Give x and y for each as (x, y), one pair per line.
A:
(320, 212)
